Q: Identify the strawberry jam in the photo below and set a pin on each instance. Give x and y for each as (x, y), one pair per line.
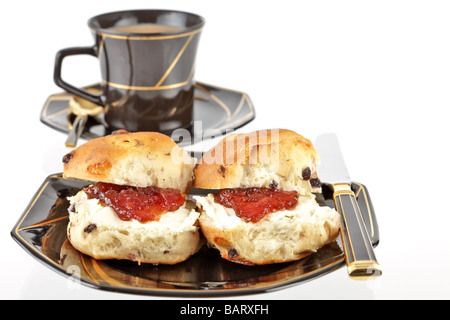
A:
(141, 204)
(253, 204)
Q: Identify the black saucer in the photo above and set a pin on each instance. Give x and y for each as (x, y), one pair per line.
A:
(216, 110)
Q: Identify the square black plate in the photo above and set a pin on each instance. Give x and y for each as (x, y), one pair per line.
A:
(41, 231)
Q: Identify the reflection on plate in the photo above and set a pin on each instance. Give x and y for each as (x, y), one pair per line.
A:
(41, 231)
(216, 110)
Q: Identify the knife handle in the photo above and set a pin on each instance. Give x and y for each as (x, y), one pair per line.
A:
(359, 255)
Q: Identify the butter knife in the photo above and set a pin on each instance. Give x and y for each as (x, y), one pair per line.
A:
(359, 255)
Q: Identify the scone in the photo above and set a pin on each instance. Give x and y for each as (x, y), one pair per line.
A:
(262, 159)
(263, 209)
(136, 208)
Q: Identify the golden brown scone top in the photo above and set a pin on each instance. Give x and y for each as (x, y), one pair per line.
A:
(134, 158)
(265, 158)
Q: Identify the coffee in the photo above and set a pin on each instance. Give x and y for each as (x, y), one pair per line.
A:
(146, 28)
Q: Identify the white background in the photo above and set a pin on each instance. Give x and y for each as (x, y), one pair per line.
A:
(375, 72)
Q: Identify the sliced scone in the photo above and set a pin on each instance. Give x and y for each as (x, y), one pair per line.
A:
(262, 208)
(136, 207)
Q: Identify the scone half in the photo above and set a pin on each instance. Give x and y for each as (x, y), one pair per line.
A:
(97, 231)
(281, 236)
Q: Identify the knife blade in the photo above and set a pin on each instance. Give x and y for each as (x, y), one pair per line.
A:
(359, 255)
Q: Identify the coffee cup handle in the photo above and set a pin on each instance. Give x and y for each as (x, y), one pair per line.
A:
(61, 54)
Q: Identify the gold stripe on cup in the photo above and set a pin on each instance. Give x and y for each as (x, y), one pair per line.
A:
(152, 37)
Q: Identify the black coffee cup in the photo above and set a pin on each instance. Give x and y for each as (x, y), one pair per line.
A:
(147, 62)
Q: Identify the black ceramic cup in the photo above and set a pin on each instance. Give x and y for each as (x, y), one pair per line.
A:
(147, 62)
